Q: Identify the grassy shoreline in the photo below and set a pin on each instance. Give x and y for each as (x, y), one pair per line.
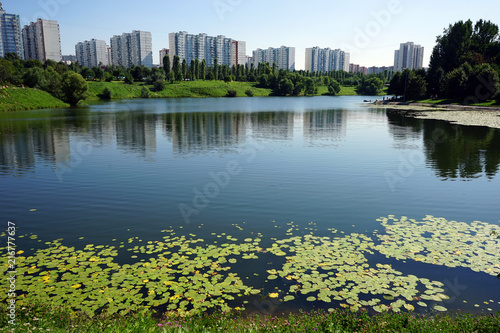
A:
(46, 318)
(19, 99)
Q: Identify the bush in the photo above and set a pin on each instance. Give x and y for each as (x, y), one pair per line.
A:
(106, 94)
(249, 93)
(159, 85)
(232, 93)
(144, 92)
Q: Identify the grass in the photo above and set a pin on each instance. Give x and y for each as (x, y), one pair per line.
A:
(16, 99)
(43, 318)
(454, 102)
(183, 89)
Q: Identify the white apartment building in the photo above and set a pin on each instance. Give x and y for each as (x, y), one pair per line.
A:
(409, 56)
(326, 60)
(92, 53)
(203, 47)
(284, 57)
(131, 49)
(42, 41)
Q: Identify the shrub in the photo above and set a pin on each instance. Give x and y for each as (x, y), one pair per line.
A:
(144, 92)
(232, 93)
(249, 93)
(106, 94)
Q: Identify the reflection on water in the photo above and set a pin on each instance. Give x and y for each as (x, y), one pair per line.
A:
(26, 142)
(453, 151)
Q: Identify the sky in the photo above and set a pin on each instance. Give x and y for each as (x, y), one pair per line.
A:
(369, 30)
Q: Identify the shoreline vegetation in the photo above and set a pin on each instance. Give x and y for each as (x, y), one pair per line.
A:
(13, 98)
(57, 319)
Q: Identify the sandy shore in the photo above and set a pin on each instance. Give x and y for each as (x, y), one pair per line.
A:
(457, 114)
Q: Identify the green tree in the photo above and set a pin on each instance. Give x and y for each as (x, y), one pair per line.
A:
(371, 86)
(216, 69)
(333, 87)
(184, 69)
(34, 77)
(203, 69)
(166, 66)
(176, 68)
(74, 88)
(106, 94)
(7, 71)
(310, 87)
(285, 87)
(417, 86)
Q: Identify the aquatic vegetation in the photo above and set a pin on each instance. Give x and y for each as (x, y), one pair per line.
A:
(188, 275)
(438, 241)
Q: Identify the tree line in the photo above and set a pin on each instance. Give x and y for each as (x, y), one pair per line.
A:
(464, 66)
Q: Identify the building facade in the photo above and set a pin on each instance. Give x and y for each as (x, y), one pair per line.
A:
(228, 51)
(284, 57)
(326, 60)
(42, 41)
(409, 56)
(10, 34)
(92, 53)
(131, 49)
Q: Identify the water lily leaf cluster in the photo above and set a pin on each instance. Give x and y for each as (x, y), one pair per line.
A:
(337, 270)
(438, 241)
(189, 275)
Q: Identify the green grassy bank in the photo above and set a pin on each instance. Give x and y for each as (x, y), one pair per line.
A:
(120, 90)
(15, 98)
(45, 319)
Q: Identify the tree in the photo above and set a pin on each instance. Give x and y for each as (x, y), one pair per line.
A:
(74, 88)
(371, 86)
(34, 77)
(285, 87)
(310, 87)
(184, 69)
(166, 66)
(7, 71)
(333, 87)
(106, 94)
(216, 69)
(417, 86)
(203, 69)
(176, 68)
(396, 86)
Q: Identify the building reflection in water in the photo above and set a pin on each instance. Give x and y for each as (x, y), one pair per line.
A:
(50, 140)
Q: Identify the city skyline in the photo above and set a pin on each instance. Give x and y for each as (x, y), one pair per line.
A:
(370, 35)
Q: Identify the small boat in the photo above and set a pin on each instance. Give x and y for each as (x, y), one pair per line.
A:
(367, 100)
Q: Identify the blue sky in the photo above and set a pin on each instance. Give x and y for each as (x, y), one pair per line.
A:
(370, 30)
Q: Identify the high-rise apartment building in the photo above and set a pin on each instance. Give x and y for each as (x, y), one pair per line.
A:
(42, 41)
(284, 57)
(10, 34)
(326, 60)
(203, 47)
(409, 56)
(92, 53)
(131, 49)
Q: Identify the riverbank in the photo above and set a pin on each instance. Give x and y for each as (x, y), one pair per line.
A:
(467, 115)
(18, 99)
(43, 318)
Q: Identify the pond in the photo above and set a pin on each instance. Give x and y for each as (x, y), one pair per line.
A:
(268, 204)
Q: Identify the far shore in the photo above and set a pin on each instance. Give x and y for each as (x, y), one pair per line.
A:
(467, 115)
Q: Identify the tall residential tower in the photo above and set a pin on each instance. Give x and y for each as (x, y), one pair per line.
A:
(92, 53)
(284, 57)
(409, 56)
(42, 41)
(131, 49)
(10, 34)
(203, 47)
(326, 60)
